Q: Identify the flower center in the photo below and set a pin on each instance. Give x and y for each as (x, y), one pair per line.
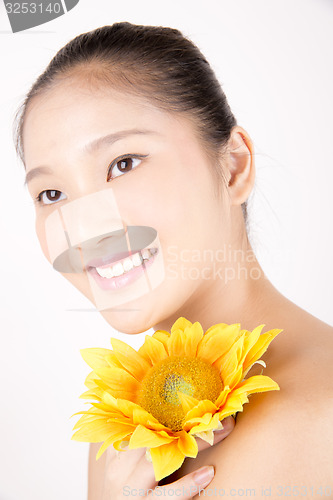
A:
(192, 376)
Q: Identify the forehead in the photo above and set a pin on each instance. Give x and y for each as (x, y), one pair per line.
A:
(72, 114)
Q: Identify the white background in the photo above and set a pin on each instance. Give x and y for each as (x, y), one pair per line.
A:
(274, 59)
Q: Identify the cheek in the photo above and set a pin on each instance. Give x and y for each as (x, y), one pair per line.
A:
(78, 280)
(175, 197)
(41, 235)
(172, 191)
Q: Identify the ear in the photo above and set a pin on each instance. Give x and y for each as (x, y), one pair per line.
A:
(240, 165)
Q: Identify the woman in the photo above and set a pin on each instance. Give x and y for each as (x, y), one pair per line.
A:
(129, 128)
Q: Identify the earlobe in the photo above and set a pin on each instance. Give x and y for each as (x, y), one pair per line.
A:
(241, 166)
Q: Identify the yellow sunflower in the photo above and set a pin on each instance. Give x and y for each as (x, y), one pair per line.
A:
(176, 387)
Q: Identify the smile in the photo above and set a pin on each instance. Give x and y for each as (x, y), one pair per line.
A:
(126, 265)
(115, 275)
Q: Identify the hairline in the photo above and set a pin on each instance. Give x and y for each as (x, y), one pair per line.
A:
(213, 156)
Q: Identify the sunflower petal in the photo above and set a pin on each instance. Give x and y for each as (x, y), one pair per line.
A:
(260, 347)
(127, 408)
(112, 360)
(207, 436)
(153, 350)
(187, 444)
(201, 413)
(137, 415)
(91, 411)
(208, 422)
(218, 342)
(86, 419)
(204, 406)
(232, 405)
(131, 360)
(119, 433)
(257, 383)
(109, 400)
(90, 380)
(162, 336)
(118, 380)
(228, 365)
(259, 362)
(116, 392)
(166, 459)
(103, 448)
(251, 338)
(187, 402)
(93, 432)
(120, 430)
(176, 344)
(100, 384)
(95, 357)
(181, 324)
(92, 394)
(143, 437)
(192, 337)
(234, 378)
(204, 419)
(222, 397)
(216, 328)
(101, 406)
(142, 417)
(121, 445)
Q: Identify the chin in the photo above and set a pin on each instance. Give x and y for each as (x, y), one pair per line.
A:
(140, 314)
(129, 319)
(143, 313)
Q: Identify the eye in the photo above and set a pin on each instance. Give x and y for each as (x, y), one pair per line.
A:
(50, 196)
(123, 165)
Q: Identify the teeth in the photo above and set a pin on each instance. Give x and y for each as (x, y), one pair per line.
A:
(118, 269)
(126, 265)
(145, 254)
(108, 272)
(137, 260)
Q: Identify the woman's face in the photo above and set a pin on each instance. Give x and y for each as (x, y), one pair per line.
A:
(166, 183)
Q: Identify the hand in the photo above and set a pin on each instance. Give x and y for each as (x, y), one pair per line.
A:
(130, 475)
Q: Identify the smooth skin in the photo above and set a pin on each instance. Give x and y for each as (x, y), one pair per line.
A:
(282, 439)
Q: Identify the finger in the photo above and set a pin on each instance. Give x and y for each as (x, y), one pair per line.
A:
(142, 476)
(129, 467)
(186, 487)
(228, 425)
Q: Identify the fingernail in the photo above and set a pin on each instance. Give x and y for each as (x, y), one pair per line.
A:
(204, 476)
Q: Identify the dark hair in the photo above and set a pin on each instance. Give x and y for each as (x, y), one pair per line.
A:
(157, 62)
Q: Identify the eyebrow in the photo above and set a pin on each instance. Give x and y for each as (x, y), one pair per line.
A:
(35, 172)
(90, 148)
(111, 138)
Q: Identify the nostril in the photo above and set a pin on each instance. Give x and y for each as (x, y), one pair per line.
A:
(103, 239)
(114, 236)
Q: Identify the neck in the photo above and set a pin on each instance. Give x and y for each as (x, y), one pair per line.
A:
(248, 298)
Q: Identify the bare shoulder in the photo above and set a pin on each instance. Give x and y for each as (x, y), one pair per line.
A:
(307, 357)
(283, 439)
(96, 472)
